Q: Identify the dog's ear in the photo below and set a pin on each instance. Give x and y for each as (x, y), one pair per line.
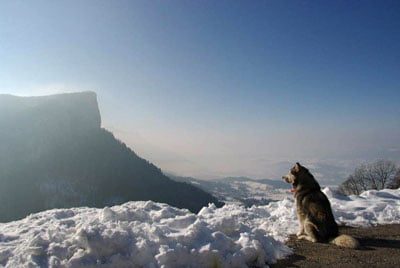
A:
(297, 167)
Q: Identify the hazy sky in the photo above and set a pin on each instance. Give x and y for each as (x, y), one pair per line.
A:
(215, 88)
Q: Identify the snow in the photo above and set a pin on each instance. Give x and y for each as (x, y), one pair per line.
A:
(257, 190)
(139, 234)
(370, 208)
(149, 234)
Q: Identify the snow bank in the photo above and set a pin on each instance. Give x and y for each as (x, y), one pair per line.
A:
(148, 234)
(140, 234)
(370, 208)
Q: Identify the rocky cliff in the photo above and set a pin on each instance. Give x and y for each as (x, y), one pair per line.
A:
(54, 153)
(62, 112)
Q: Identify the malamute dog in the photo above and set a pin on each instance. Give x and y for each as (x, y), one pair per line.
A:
(314, 212)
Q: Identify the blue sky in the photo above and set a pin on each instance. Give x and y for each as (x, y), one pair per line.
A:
(215, 88)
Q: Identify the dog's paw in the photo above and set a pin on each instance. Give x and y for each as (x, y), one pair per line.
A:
(302, 236)
(308, 238)
(299, 233)
(312, 239)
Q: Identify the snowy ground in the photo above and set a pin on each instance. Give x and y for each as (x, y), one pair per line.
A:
(148, 234)
(242, 190)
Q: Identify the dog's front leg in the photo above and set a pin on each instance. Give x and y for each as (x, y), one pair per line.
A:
(301, 225)
(310, 231)
(301, 230)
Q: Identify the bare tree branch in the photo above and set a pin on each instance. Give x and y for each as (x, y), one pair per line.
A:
(377, 175)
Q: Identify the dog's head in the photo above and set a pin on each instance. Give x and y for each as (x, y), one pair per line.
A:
(301, 179)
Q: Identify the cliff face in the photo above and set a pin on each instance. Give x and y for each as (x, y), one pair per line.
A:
(31, 128)
(59, 112)
(54, 153)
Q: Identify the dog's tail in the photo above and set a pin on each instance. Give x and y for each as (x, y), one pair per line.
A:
(346, 241)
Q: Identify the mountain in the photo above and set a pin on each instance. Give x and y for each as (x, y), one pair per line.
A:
(54, 154)
(242, 190)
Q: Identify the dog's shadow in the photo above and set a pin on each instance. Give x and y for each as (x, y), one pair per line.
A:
(372, 243)
(297, 259)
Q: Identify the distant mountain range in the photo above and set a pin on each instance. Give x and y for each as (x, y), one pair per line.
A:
(241, 189)
(54, 154)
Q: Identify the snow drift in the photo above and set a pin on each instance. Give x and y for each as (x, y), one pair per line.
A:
(149, 234)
